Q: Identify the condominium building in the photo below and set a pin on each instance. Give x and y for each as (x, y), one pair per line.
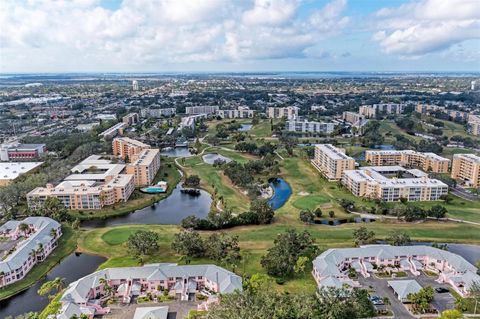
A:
(93, 184)
(35, 244)
(17, 151)
(127, 148)
(304, 126)
(180, 281)
(240, 112)
(131, 119)
(289, 112)
(114, 130)
(466, 167)
(331, 268)
(189, 121)
(352, 117)
(428, 109)
(474, 124)
(393, 183)
(201, 109)
(158, 113)
(371, 111)
(145, 167)
(332, 161)
(426, 161)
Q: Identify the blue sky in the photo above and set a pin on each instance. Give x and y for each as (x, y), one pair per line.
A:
(247, 35)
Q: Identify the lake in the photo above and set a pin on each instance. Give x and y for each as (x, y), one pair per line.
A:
(282, 192)
(176, 152)
(170, 210)
(245, 127)
(73, 267)
(212, 157)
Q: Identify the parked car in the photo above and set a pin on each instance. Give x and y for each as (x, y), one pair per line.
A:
(441, 290)
(376, 300)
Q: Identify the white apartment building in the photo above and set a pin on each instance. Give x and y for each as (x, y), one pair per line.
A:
(305, 126)
(426, 161)
(158, 113)
(240, 112)
(474, 124)
(201, 109)
(289, 112)
(392, 183)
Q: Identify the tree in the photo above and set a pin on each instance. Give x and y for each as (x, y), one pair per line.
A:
(23, 228)
(192, 181)
(281, 259)
(421, 300)
(263, 210)
(451, 314)
(142, 243)
(53, 208)
(437, 211)
(306, 216)
(363, 236)
(331, 214)
(223, 248)
(300, 265)
(48, 287)
(318, 212)
(188, 243)
(398, 238)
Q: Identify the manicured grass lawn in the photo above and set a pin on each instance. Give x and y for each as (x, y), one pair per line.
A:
(459, 208)
(138, 200)
(310, 201)
(262, 129)
(66, 245)
(255, 240)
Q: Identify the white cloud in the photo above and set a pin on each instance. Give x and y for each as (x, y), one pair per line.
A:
(421, 27)
(84, 34)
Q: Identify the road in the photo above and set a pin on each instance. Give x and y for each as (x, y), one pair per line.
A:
(460, 192)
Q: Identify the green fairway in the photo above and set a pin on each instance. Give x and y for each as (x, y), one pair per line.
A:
(262, 129)
(310, 201)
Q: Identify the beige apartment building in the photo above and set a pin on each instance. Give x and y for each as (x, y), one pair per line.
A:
(369, 111)
(145, 167)
(384, 183)
(289, 112)
(426, 161)
(131, 119)
(352, 117)
(80, 195)
(127, 148)
(332, 161)
(466, 167)
(474, 124)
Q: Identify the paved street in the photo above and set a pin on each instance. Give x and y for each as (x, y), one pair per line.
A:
(460, 192)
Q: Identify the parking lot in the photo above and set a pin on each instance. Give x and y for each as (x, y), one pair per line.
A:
(441, 301)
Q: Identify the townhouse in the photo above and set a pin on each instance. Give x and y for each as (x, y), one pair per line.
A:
(37, 242)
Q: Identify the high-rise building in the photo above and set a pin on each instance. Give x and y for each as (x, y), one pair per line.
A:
(332, 161)
(131, 119)
(127, 148)
(145, 167)
(466, 167)
(472, 85)
(135, 85)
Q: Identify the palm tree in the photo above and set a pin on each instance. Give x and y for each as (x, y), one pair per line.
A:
(106, 288)
(33, 253)
(23, 228)
(59, 283)
(53, 233)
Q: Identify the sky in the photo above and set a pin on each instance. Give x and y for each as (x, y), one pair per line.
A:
(238, 35)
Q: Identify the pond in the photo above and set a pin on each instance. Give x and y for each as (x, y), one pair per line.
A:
(281, 193)
(245, 127)
(336, 222)
(170, 210)
(212, 157)
(73, 267)
(176, 152)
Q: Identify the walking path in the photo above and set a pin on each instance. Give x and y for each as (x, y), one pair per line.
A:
(447, 219)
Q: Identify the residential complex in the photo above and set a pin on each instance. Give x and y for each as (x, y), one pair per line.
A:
(393, 183)
(189, 121)
(428, 109)
(145, 166)
(352, 117)
(304, 126)
(332, 161)
(128, 149)
(289, 112)
(17, 151)
(240, 112)
(9, 171)
(95, 183)
(158, 113)
(429, 162)
(371, 111)
(81, 296)
(330, 269)
(131, 119)
(474, 124)
(466, 167)
(201, 109)
(33, 246)
(114, 130)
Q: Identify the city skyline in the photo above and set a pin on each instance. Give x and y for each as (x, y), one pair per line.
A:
(233, 36)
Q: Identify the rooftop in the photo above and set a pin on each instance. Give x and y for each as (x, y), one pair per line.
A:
(11, 170)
